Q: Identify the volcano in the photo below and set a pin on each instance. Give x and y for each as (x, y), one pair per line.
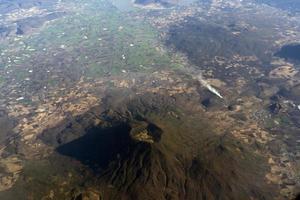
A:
(137, 150)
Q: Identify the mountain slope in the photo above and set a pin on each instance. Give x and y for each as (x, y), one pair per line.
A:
(139, 151)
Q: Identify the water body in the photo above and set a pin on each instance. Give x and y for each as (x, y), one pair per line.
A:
(290, 51)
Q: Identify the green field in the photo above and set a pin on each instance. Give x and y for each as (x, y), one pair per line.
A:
(94, 40)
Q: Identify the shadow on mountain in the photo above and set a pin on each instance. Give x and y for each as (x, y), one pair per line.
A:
(289, 52)
(98, 146)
